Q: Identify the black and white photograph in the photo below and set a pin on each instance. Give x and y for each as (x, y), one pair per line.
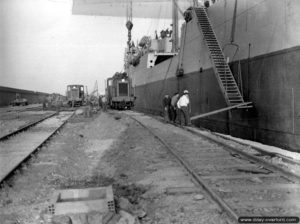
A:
(149, 111)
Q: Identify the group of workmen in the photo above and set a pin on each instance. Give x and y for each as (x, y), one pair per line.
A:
(164, 33)
(177, 108)
(102, 101)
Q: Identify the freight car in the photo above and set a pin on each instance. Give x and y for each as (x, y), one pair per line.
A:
(75, 95)
(119, 92)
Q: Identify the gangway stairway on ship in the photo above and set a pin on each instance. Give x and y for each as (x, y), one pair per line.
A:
(221, 68)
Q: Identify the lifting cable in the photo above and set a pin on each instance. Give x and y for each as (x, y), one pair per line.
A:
(232, 43)
(165, 78)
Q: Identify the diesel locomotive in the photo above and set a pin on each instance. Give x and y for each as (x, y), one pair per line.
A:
(75, 95)
(119, 92)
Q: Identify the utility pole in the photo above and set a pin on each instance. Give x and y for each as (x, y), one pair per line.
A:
(97, 88)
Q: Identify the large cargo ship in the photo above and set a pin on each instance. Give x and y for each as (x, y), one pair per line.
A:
(238, 54)
(259, 39)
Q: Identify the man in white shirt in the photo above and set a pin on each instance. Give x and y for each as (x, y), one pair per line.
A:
(184, 107)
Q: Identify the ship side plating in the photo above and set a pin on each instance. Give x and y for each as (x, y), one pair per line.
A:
(265, 68)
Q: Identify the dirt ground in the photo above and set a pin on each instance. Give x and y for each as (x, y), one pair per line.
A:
(107, 149)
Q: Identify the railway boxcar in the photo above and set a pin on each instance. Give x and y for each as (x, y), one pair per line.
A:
(75, 95)
(119, 92)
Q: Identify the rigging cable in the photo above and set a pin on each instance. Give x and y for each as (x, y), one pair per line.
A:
(241, 13)
(158, 18)
(165, 78)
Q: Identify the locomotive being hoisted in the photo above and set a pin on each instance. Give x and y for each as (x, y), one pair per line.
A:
(119, 92)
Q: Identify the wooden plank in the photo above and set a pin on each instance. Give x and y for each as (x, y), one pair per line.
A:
(243, 176)
(182, 190)
(286, 204)
(259, 149)
(280, 187)
(223, 166)
(212, 155)
(253, 170)
(214, 160)
(219, 111)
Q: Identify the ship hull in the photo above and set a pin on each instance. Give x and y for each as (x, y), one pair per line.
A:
(274, 119)
(268, 61)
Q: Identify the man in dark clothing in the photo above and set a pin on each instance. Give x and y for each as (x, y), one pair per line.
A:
(100, 102)
(163, 34)
(166, 106)
(173, 108)
(44, 103)
(167, 32)
(104, 103)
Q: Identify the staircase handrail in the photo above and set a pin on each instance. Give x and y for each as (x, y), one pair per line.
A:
(210, 29)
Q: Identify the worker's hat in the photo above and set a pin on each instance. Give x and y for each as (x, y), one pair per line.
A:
(185, 92)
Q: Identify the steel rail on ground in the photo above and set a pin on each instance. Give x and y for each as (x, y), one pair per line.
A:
(27, 108)
(263, 152)
(36, 148)
(230, 148)
(246, 156)
(194, 174)
(24, 128)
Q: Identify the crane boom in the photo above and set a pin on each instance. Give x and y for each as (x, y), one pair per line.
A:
(115, 8)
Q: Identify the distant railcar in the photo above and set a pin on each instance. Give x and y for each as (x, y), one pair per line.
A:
(19, 101)
(75, 95)
(119, 92)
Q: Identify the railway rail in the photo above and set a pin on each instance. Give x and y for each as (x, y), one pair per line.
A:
(19, 146)
(21, 108)
(20, 113)
(258, 151)
(25, 127)
(240, 183)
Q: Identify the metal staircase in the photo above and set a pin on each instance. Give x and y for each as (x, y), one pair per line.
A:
(221, 68)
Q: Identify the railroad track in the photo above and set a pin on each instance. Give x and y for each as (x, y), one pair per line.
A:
(25, 127)
(241, 184)
(30, 107)
(16, 148)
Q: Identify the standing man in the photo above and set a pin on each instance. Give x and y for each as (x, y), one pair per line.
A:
(166, 105)
(44, 103)
(173, 109)
(104, 103)
(100, 102)
(185, 108)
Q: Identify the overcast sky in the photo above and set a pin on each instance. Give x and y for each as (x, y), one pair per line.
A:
(43, 47)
